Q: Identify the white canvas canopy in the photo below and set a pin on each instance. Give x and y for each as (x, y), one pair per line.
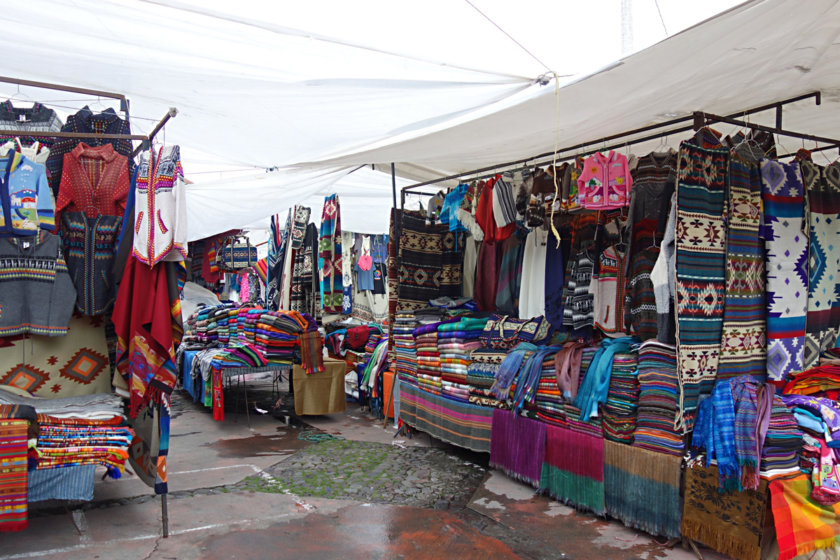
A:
(435, 87)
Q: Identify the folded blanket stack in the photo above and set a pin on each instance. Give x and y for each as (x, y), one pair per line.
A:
(84, 430)
(404, 350)
(622, 400)
(658, 399)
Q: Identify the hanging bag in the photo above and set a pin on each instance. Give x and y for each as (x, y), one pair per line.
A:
(507, 332)
(236, 253)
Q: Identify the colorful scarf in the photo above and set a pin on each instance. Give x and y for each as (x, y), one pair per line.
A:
(596, 383)
(312, 352)
(714, 432)
(509, 369)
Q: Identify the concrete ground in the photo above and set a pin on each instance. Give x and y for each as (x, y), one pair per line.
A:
(338, 486)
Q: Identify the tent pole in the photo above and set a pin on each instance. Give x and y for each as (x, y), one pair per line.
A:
(394, 183)
(164, 511)
(59, 87)
(173, 112)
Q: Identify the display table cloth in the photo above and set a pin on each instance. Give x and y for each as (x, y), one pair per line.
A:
(459, 423)
(320, 393)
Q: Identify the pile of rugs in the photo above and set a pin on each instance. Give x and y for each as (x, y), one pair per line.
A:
(48, 434)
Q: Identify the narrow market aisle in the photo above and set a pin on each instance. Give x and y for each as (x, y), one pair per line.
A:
(346, 489)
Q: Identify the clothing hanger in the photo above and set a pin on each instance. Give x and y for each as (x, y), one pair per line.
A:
(5, 148)
(20, 96)
(663, 144)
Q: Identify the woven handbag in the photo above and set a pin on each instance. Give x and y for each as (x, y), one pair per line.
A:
(507, 332)
(236, 253)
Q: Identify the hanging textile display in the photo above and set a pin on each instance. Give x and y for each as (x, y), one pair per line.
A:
(517, 446)
(607, 290)
(786, 263)
(160, 215)
(532, 292)
(58, 366)
(329, 256)
(554, 282)
(274, 267)
(430, 262)
(508, 284)
(573, 471)
(700, 271)
(744, 343)
(729, 522)
(13, 474)
(822, 190)
(347, 243)
(642, 489)
(86, 121)
(144, 315)
(89, 209)
(304, 290)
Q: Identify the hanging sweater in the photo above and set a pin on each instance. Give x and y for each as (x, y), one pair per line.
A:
(36, 294)
(607, 291)
(27, 204)
(160, 213)
(90, 206)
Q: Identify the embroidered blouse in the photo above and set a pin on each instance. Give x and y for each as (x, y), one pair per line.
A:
(160, 213)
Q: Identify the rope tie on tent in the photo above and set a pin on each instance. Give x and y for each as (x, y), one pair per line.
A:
(554, 159)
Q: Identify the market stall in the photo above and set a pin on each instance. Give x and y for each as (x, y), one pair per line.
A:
(76, 235)
(591, 323)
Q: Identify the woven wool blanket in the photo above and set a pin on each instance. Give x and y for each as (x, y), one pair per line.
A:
(731, 523)
(744, 343)
(329, 256)
(517, 446)
(786, 262)
(13, 474)
(573, 470)
(700, 271)
(822, 188)
(458, 423)
(802, 525)
(642, 488)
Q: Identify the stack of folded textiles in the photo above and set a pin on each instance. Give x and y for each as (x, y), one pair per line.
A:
(373, 342)
(549, 402)
(823, 380)
(428, 358)
(84, 430)
(249, 325)
(782, 445)
(481, 374)
(456, 340)
(622, 399)
(734, 408)
(573, 421)
(404, 349)
(277, 335)
(658, 399)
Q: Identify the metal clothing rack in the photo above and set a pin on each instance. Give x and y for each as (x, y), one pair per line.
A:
(145, 142)
(686, 123)
(124, 107)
